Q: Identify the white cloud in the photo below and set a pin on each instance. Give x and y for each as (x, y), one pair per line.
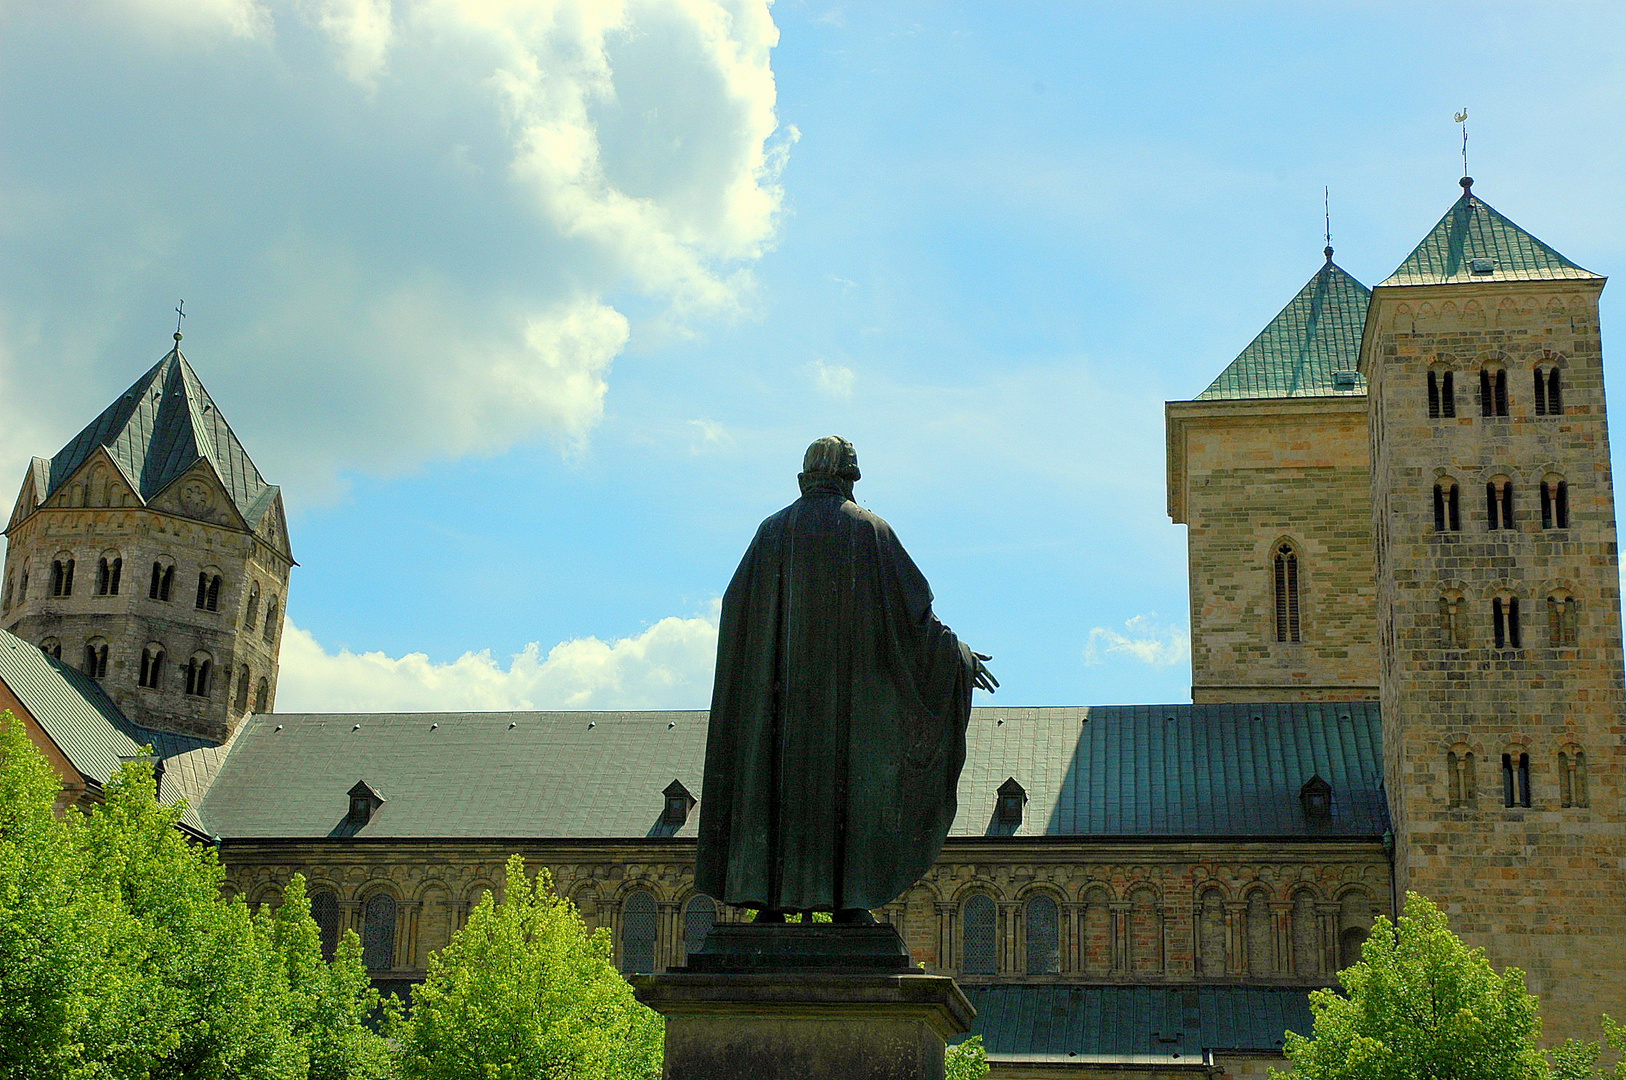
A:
(668, 666)
(362, 31)
(1143, 639)
(709, 435)
(833, 380)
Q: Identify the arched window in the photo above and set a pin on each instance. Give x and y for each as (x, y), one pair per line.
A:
(152, 666)
(198, 675)
(1516, 779)
(978, 956)
(243, 678)
(208, 591)
(378, 933)
(270, 632)
(1555, 504)
(1261, 958)
(325, 910)
(1447, 507)
(163, 580)
(1286, 567)
(1562, 624)
(1505, 622)
(51, 647)
(1459, 773)
(1499, 504)
(262, 695)
(1043, 919)
(699, 916)
(1306, 934)
(1442, 395)
(252, 618)
(638, 933)
(1549, 396)
(96, 658)
(62, 577)
(1354, 924)
(1572, 777)
(1211, 933)
(109, 568)
(1492, 392)
(1453, 634)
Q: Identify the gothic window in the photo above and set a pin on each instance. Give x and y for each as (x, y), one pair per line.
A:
(1442, 396)
(1549, 399)
(1572, 777)
(152, 666)
(1562, 629)
(1259, 936)
(1505, 622)
(1286, 579)
(638, 933)
(51, 647)
(699, 916)
(243, 677)
(108, 571)
(208, 591)
(62, 577)
(270, 632)
(262, 695)
(1097, 951)
(978, 956)
(197, 675)
(378, 933)
(1492, 392)
(163, 580)
(1043, 920)
(1447, 507)
(1306, 935)
(1211, 933)
(1499, 504)
(1515, 779)
(1555, 504)
(1459, 770)
(96, 658)
(253, 616)
(325, 910)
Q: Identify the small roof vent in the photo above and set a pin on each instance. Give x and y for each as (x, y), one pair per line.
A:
(1316, 797)
(1012, 797)
(364, 801)
(1343, 378)
(1481, 266)
(678, 804)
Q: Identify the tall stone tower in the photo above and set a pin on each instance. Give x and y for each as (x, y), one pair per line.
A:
(150, 553)
(1499, 604)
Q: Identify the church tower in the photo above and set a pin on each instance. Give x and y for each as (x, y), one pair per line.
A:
(151, 553)
(1499, 604)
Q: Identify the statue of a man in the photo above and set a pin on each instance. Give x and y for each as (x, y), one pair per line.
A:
(838, 715)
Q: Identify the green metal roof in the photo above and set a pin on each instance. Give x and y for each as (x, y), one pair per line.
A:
(1298, 353)
(1473, 242)
(158, 429)
(1144, 771)
(1133, 1025)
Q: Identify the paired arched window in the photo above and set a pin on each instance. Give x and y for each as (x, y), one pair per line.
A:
(325, 910)
(269, 634)
(1549, 392)
(1572, 777)
(252, 618)
(699, 916)
(240, 703)
(1043, 920)
(1555, 504)
(1505, 622)
(262, 695)
(1459, 776)
(1447, 507)
(208, 591)
(638, 933)
(198, 673)
(1492, 392)
(163, 580)
(109, 569)
(62, 576)
(1516, 779)
(1285, 574)
(1562, 622)
(1442, 395)
(96, 658)
(51, 647)
(378, 932)
(1499, 504)
(152, 666)
(978, 954)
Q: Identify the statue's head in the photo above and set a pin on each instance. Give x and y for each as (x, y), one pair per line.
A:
(831, 459)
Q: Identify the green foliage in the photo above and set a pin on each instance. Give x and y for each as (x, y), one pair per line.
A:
(524, 991)
(1421, 1004)
(1577, 1060)
(967, 1061)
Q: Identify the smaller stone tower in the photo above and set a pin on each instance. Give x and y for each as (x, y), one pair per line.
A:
(151, 554)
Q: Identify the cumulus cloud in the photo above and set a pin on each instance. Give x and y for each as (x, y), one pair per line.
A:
(667, 666)
(405, 229)
(833, 380)
(1143, 639)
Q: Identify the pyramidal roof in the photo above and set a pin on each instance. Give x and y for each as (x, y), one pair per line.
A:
(160, 428)
(1308, 350)
(1473, 242)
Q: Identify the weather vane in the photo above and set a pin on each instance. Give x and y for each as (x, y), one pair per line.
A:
(1326, 210)
(180, 313)
(1462, 118)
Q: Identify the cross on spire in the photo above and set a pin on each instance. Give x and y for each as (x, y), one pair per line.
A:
(1326, 210)
(180, 313)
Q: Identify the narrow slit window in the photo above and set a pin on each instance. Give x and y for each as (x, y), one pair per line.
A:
(1541, 392)
(104, 576)
(1546, 505)
(1498, 623)
(1448, 396)
(1513, 623)
(1561, 505)
(118, 572)
(1287, 594)
(1555, 400)
(1566, 781)
(1433, 396)
(203, 590)
(1501, 393)
(1509, 794)
(212, 601)
(1524, 779)
(1439, 508)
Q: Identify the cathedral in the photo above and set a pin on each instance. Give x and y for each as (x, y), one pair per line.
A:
(1406, 675)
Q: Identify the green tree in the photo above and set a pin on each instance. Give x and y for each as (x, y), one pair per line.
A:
(966, 1061)
(1421, 1004)
(523, 991)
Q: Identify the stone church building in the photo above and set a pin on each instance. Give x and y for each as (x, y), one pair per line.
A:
(1406, 674)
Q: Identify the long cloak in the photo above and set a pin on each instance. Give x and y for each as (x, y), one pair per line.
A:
(838, 717)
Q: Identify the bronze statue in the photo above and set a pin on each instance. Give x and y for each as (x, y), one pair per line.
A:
(838, 715)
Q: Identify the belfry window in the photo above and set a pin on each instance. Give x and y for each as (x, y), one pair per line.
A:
(1460, 775)
(1572, 777)
(163, 579)
(197, 676)
(1562, 626)
(51, 647)
(1499, 504)
(208, 591)
(1515, 780)
(1505, 622)
(1447, 507)
(96, 658)
(1549, 399)
(270, 633)
(1555, 504)
(108, 572)
(1286, 574)
(1492, 392)
(152, 667)
(1442, 395)
(62, 577)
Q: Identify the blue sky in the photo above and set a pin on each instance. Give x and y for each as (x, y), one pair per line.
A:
(532, 307)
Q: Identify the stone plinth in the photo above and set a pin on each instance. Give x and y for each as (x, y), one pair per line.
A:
(805, 1025)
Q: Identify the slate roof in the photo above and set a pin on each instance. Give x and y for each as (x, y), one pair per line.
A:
(1472, 230)
(1145, 1025)
(160, 428)
(1295, 355)
(72, 708)
(1129, 771)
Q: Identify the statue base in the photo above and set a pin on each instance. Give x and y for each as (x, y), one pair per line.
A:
(805, 1025)
(833, 948)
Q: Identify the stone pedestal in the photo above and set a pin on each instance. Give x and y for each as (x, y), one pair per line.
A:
(805, 1025)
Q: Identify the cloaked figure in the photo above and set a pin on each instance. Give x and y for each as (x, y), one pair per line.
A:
(838, 715)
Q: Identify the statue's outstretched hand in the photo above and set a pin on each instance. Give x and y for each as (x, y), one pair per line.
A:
(981, 677)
